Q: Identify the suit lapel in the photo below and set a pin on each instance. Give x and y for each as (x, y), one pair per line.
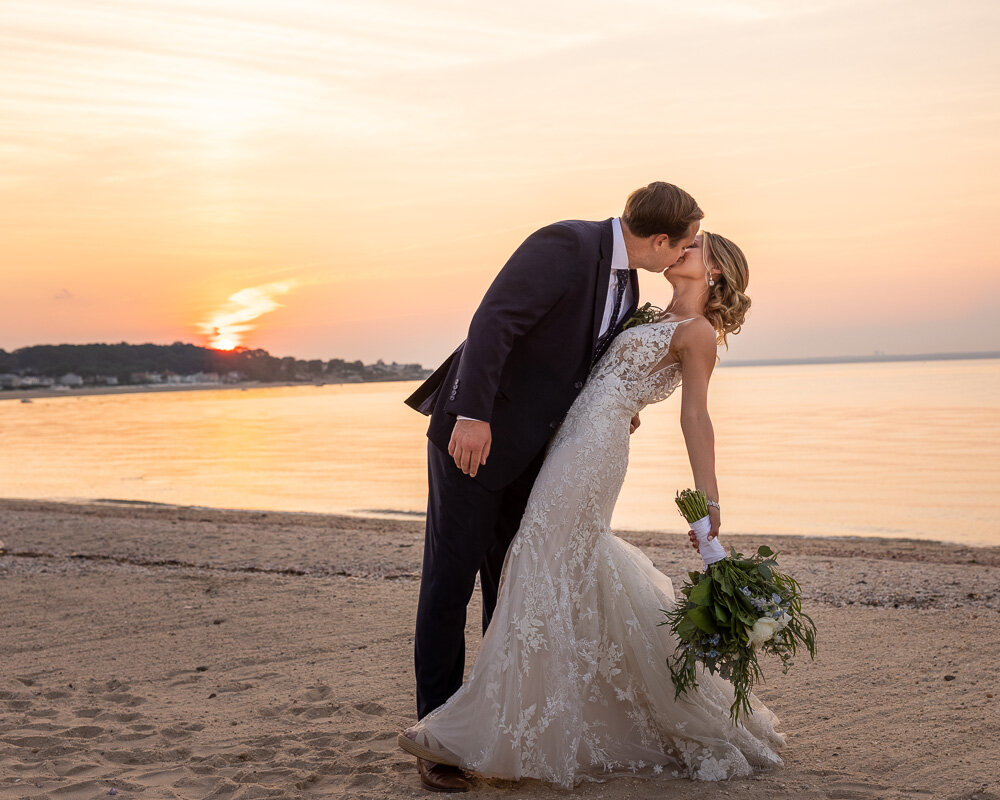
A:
(603, 280)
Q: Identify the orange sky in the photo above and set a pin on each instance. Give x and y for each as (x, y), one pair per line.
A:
(381, 159)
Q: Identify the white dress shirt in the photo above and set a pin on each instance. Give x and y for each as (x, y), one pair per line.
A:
(619, 260)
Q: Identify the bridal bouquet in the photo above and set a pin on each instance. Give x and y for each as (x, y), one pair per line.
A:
(736, 609)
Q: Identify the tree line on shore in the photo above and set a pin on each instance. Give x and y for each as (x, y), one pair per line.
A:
(134, 363)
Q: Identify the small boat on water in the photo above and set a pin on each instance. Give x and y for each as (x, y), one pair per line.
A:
(25, 399)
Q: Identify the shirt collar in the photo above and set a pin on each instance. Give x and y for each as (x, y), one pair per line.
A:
(619, 255)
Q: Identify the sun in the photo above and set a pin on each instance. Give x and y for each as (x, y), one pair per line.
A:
(224, 344)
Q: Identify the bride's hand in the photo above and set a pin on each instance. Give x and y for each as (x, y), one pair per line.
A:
(714, 518)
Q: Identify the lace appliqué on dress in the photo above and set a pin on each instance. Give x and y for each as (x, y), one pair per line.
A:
(571, 681)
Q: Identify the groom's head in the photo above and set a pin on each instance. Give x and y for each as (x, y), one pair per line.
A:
(659, 221)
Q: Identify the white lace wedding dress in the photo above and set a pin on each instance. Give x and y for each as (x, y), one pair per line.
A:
(571, 681)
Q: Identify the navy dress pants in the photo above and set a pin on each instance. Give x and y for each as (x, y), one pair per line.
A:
(469, 529)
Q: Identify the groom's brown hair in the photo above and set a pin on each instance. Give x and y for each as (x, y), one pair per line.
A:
(661, 208)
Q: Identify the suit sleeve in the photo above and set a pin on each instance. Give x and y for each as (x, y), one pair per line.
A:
(530, 284)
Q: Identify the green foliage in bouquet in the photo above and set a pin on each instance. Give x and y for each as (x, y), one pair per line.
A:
(738, 608)
(648, 313)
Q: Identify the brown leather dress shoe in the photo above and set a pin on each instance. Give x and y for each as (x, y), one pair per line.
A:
(441, 777)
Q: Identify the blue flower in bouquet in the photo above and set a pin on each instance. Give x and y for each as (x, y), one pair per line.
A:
(746, 590)
(775, 598)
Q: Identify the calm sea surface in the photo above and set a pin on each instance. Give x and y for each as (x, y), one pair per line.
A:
(898, 449)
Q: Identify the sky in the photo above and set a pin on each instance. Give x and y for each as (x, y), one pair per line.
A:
(344, 179)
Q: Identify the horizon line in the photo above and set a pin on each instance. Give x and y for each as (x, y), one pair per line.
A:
(753, 362)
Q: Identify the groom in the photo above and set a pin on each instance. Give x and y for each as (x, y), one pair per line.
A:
(549, 315)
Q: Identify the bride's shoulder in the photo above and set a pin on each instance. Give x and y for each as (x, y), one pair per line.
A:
(694, 336)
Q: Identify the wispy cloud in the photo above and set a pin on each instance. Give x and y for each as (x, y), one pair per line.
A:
(226, 327)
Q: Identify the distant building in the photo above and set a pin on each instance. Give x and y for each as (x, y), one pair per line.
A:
(71, 379)
(8, 380)
(101, 380)
(201, 377)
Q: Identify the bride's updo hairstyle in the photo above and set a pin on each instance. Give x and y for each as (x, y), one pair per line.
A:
(727, 303)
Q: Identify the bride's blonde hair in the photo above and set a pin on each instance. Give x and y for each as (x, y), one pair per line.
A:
(727, 304)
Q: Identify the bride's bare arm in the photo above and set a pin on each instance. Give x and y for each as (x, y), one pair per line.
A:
(696, 350)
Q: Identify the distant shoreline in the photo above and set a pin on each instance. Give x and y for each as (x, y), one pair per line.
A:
(874, 359)
(31, 394)
(17, 394)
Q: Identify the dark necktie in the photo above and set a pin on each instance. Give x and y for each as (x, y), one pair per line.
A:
(621, 275)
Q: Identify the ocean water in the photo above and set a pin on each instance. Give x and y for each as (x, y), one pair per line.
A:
(894, 449)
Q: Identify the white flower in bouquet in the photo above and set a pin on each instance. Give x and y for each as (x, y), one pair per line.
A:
(762, 630)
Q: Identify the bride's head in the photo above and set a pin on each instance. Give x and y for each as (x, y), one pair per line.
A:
(718, 263)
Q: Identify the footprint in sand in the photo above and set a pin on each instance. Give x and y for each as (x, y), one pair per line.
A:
(174, 732)
(71, 769)
(124, 699)
(121, 716)
(235, 686)
(84, 732)
(372, 709)
(318, 692)
(848, 790)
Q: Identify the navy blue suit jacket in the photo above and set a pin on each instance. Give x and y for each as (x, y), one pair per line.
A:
(529, 347)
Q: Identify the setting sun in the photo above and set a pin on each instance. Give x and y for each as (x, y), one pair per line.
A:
(226, 327)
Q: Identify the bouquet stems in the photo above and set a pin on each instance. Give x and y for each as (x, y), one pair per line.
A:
(694, 509)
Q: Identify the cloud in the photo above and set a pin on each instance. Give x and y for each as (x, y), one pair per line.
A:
(225, 327)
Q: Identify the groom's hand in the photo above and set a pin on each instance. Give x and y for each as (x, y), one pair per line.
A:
(634, 424)
(470, 445)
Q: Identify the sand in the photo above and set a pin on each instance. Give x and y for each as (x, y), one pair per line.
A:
(164, 652)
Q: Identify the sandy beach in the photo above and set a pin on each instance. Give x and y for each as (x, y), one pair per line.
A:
(173, 652)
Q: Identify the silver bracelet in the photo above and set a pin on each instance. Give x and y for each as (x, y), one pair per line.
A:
(713, 504)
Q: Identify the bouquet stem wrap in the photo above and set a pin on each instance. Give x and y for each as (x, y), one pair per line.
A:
(710, 549)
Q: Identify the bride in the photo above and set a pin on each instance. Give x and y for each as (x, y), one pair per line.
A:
(571, 680)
